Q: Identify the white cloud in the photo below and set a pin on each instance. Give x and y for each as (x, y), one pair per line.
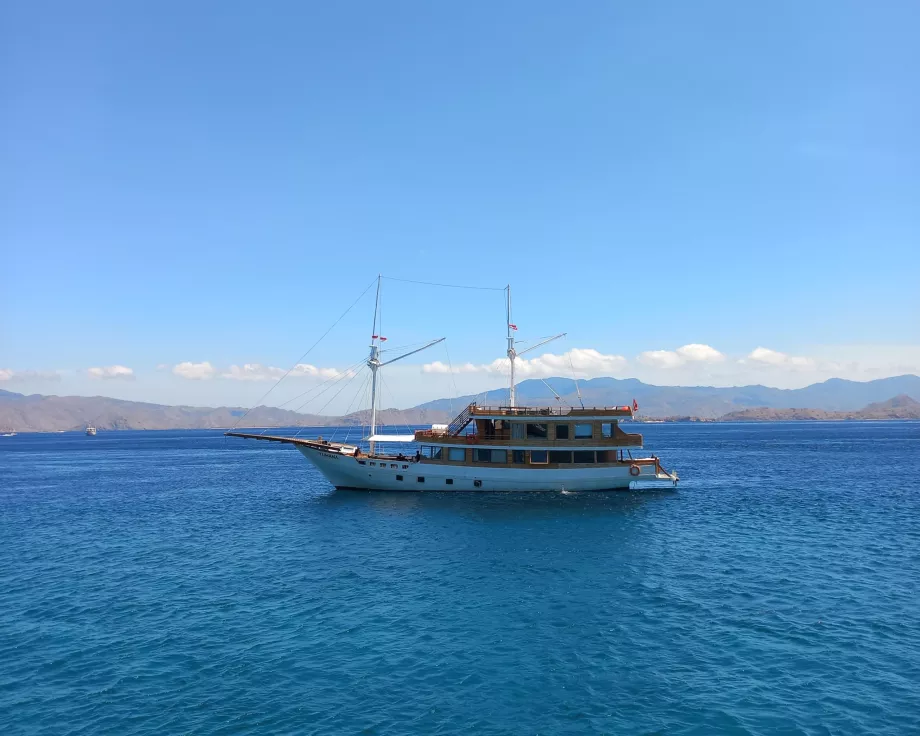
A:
(585, 362)
(258, 372)
(195, 371)
(311, 371)
(702, 353)
(766, 356)
(6, 374)
(692, 353)
(111, 371)
(660, 358)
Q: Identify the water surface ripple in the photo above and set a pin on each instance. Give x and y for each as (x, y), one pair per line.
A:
(179, 582)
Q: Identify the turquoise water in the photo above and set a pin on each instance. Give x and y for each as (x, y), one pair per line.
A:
(178, 582)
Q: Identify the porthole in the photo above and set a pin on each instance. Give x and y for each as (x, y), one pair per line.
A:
(399, 477)
(449, 481)
(420, 479)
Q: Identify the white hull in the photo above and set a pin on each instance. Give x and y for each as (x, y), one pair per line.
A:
(346, 472)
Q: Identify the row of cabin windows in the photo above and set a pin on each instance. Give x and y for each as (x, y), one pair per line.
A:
(542, 457)
(519, 457)
(562, 431)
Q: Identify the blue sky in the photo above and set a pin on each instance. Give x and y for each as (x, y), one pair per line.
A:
(216, 182)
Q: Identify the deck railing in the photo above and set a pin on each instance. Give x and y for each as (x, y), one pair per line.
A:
(619, 439)
(551, 411)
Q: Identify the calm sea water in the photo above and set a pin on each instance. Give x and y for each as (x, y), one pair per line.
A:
(180, 582)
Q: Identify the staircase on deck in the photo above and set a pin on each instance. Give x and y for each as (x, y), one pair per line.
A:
(458, 424)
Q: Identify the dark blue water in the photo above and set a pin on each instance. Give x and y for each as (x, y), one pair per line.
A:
(177, 582)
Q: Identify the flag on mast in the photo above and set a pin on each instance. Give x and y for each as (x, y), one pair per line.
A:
(513, 327)
(635, 405)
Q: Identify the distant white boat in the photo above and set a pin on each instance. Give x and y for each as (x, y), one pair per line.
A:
(91, 431)
(8, 434)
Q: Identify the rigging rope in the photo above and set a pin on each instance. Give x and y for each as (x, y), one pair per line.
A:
(305, 354)
(447, 286)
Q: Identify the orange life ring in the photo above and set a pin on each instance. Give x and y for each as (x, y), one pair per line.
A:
(634, 470)
(471, 439)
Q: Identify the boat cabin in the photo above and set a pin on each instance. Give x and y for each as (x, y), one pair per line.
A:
(531, 436)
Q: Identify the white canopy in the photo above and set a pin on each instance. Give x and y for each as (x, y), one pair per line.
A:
(391, 438)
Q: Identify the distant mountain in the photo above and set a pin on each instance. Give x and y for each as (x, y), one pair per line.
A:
(38, 413)
(900, 407)
(836, 394)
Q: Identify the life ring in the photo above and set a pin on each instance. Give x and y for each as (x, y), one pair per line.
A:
(471, 439)
(634, 470)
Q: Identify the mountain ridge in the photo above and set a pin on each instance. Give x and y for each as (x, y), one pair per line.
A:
(40, 413)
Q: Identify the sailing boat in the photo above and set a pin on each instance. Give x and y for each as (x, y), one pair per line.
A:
(489, 448)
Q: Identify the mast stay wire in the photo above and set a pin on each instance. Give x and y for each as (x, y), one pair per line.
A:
(310, 350)
(352, 367)
(348, 411)
(446, 286)
(323, 407)
(341, 377)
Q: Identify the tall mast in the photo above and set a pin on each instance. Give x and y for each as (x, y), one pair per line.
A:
(511, 353)
(373, 362)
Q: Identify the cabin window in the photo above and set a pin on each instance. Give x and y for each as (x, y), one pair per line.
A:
(536, 431)
(449, 481)
(517, 456)
(456, 454)
(405, 467)
(562, 431)
(583, 432)
(399, 477)
(432, 452)
(607, 429)
(602, 456)
(538, 457)
(560, 456)
(518, 430)
(491, 456)
(373, 465)
(420, 478)
(393, 465)
(584, 456)
(362, 462)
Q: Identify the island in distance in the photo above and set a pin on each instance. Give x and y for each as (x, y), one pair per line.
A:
(834, 399)
(899, 407)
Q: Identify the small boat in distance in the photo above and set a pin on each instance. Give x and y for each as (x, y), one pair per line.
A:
(489, 448)
(90, 431)
(8, 434)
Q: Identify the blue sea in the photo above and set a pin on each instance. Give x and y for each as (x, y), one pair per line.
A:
(186, 583)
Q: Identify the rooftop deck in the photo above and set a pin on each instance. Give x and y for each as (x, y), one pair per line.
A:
(551, 411)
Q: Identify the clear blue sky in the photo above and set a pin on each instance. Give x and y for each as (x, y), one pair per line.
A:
(215, 182)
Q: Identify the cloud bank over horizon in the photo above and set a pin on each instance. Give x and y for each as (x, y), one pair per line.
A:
(409, 384)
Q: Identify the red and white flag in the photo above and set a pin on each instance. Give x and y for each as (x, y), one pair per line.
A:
(383, 339)
(513, 327)
(635, 405)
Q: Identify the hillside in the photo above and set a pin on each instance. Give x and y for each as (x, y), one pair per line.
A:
(900, 407)
(707, 402)
(38, 413)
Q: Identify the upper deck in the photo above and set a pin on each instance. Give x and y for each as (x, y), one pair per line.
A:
(550, 412)
(526, 427)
